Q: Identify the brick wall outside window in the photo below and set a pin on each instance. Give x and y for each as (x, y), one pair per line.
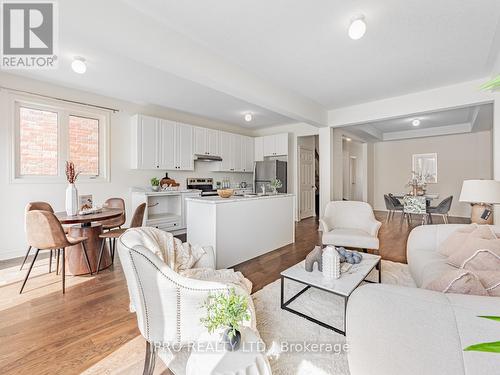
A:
(84, 144)
(38, 142)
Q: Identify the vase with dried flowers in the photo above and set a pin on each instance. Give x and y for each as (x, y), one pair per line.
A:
(71, 191)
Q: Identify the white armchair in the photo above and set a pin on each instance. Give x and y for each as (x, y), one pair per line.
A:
(350, 224)
(168, 305)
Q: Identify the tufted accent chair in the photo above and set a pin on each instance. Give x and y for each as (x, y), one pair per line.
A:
(168, 305)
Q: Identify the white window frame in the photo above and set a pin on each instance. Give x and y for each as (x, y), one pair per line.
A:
(63, 110)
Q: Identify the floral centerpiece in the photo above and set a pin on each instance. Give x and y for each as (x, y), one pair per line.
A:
(418, 183)
(227, 310)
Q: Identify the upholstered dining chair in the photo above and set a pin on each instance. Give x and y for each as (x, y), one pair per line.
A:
(40, 206)
(117, 222)
(443, 208)
(113, 234)
(391, 207)
(45, 232)
(350, 224)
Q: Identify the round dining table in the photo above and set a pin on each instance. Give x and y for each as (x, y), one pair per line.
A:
(89, 226)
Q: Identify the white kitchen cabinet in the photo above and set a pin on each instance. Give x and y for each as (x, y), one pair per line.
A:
(247, 154)
(161, 144)
(237, 155)
(275, 145)
(233, 152)
(225, 143)
(206, 141)
(259, 149)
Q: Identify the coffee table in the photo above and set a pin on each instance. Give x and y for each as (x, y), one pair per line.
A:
(342, 287)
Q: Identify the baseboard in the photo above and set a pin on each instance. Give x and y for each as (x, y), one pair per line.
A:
(464, 218)
(6, 255)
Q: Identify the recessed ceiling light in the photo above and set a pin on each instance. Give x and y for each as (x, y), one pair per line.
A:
(415, 122)
(357, 28)
(348, 139)
(248, 117)
(79, 65)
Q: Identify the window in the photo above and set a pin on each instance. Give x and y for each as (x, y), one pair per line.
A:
(38, 142)
(48, 133)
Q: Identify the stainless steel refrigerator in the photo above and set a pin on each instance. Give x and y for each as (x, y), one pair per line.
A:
(266, 171)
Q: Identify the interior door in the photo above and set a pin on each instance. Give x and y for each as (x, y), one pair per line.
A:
(148, 143)
(306, 183)
(184, 153)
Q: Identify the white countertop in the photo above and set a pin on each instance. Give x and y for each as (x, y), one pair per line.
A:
(233, 199)
(166, 192)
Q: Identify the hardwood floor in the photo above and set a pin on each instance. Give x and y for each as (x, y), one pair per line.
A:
(43, 331)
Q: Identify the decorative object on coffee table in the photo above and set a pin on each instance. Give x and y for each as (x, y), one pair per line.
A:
(71, 190)
(207, 358)
(315, 256)
(331, 263)
(352, 257)
(227, 311)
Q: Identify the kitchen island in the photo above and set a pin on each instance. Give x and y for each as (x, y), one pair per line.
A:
(240, 228)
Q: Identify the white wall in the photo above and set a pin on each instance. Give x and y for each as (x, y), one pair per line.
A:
(461, 156)
(352, 150)
(14, 197)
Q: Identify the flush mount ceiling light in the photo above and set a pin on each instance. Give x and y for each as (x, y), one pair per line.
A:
(248, 117)
(79, 65)
(357, 28)
(415, 122)
(348, 139)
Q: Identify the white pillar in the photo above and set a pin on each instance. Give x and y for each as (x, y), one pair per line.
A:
(325, 168)
(496, 148)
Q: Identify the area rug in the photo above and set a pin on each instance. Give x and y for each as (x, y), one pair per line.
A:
(289, 338)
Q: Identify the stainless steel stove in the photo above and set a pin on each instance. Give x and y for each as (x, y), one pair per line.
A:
(206, 185)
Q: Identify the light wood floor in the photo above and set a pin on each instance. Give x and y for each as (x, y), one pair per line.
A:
(45, 332)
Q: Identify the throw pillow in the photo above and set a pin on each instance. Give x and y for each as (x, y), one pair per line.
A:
(491, 281)
(483, 260)
(455, 240)
(470, 247)
(458, 281)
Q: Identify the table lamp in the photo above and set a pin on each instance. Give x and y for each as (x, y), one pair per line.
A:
(482, 195)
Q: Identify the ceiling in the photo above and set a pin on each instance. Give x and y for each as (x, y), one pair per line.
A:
(451, 121)
(283, 60)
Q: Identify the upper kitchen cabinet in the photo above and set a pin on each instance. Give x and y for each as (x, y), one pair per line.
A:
(275, 145)
(206, 142)
(259, 149)
(248, 152)
(161, 144)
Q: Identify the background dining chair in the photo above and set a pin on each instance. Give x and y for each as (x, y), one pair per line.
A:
(45, 232)
(391, 206)
(117, 222)
(40, 206)
(441, 209)
(112, 235)
(414, 205)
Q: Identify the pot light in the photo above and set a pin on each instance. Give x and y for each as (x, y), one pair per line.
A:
(415, 122)
(248, 117)
(348, 139)
(357, 28)
(79, 65)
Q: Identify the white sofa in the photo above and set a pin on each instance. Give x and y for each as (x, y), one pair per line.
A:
(350, 224)
(394, 330)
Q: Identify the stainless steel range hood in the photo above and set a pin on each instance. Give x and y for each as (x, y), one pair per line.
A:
(203, 157)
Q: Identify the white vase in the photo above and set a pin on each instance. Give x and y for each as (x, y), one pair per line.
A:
(331, 263)
(71, 200)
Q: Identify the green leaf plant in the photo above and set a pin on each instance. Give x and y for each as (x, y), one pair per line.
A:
(226, 310)
(492, 84)
(491, 347)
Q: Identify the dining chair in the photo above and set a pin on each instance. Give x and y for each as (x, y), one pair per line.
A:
(441, 209)
(113, 234)
(40, 206)
(117, 222)
(392, 205)
(45, 232)
(414, 205)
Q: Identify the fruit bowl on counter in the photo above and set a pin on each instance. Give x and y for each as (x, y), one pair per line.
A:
(225, 193)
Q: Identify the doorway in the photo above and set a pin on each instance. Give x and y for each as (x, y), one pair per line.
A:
(352, 176)
(307, 176)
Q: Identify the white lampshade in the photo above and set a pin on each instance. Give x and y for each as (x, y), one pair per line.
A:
(480, 191)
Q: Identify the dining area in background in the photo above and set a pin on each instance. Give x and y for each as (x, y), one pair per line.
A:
(410, 205)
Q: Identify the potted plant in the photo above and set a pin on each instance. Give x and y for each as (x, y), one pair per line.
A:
(227, 310)
(275, 185)
(71, 191)
(155, 184)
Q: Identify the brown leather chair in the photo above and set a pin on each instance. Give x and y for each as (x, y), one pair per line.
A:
(117, 222)
(112, 235)
(40, 206)
(45, 232)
